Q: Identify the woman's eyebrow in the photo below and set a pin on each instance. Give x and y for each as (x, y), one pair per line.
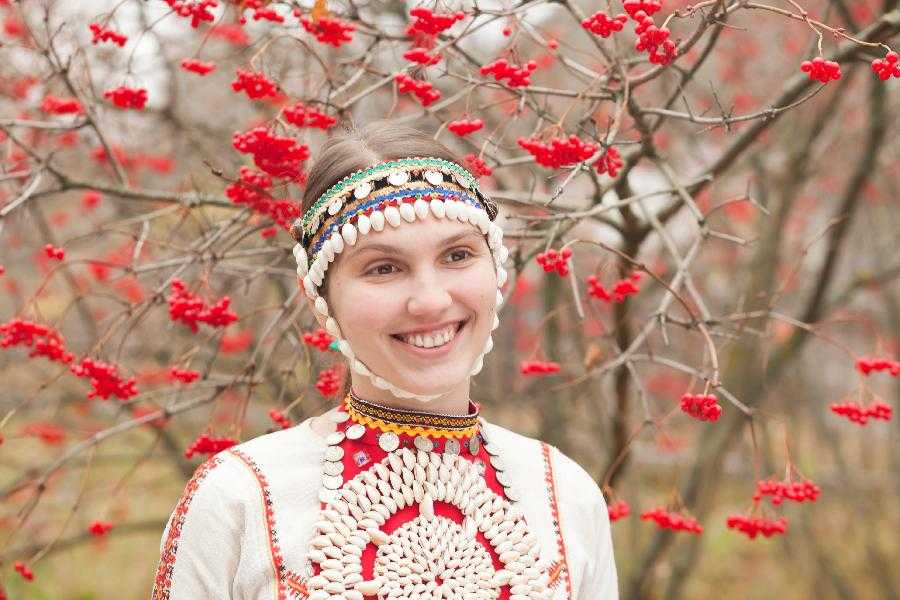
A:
(388, 249)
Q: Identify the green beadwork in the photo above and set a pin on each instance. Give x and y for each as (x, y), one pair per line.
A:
(345, 184)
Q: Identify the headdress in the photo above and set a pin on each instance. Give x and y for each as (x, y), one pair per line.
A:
(391, 193)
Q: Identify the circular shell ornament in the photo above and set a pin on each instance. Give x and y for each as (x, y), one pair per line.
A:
(434, 177)
(398, 178)
(362, 190)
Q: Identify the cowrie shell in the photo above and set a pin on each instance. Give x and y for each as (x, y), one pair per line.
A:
(501, 276)
(451, 208)
(309, 287)
(421, 208)
(322, 306)
(392, 215)
(360, 368)
(348, 232)
(337, 242)
(334, 207)
(380, 383)
(434, 177)
(407, 212)
(362, 190)
(328, 250)
(363, 224)
(344, 347)
(398, 178)
(302, 270)
(437, 207)
(377, 219)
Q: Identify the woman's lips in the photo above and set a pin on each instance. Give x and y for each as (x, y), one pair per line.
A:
(433, 352)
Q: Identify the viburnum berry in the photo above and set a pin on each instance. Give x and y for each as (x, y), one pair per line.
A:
(279, 156)
(701, 407)
(48, 433)
(887, 67)
(463, 127)
(618, 510)
(820, 69)
(190, 309)
(60, 106)
(796, 491)
(329, 30)
(423, 90)
(183, 375)
(610, 162)
(255, 85)
(518, 76)
(653, 40)
(328, 382)
(99, 528)
(601, 24)
(551, 260)
(251, 190)
(421, 56)
(647, 6)
(866, 365)
(320, 339)
(538, 367)
(752, 526)
(126, 97)
(105, 34)
(197, 10)
(23, 570)
(427, 22)
(53, 252)
(861, 414)
(205, 444)
(262, 12)
(559, 152)
(620, 290)
(43, 340)
(478, 167)
(282, 421)
(200, 67)
(672, 520)
(105, 379)
(305, 116)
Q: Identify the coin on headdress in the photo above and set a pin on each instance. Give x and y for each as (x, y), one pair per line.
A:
(356, 431)
(334, 438)
(451, 446)
(388, 441)
(474, 444)
(334, 453)
(423, 443)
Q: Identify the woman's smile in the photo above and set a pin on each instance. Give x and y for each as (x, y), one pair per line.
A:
(436, 351)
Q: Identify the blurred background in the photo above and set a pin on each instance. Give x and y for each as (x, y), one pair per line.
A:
(731, 214)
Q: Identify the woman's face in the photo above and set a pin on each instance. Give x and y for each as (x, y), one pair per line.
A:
(427, 275)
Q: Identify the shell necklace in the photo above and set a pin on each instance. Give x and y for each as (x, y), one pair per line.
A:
(417, 505)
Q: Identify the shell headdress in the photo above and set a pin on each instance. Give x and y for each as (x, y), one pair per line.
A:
(391, 193)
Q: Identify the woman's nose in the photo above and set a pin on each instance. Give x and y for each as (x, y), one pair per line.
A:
(428, 294)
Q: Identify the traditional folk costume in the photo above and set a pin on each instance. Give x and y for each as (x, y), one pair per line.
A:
(396, 503)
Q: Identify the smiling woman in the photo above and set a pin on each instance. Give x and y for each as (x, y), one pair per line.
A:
(403, 490)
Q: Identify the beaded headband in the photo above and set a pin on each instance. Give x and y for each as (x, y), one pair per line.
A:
(392, 192)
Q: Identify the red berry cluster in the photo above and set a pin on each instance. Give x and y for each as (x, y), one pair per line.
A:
(305, 116)
(420, 55)
(797, 491)
(752, 526)
(255, 85)
(867, 365)
(198, 66)
(105, 34)
(423, 90)
(183, 375)
(279, 156)
(478, 166)
(538, 367)
(648, 6)
(23, 570)
(820, 69)
(551, 260)
(59, 106)
(463, 127)
(887, 67)
(53, 252)
(518, 76)
(672, 520)
(99, 528)
(653, 40)
(251, 190)
(601, 24)
(197, 10)
(703, 408)
(190, 309)
(620, 290)
(320, 339)
(610, 162)
(126, 97)
(559, 152)
(49, 433)
(105, 379)
(328, 382)
(261, 12)
(618, 510)
(428, 22)
(282, 421)
(329, 30)
(861, 414)
(205, 444)
(43, 340)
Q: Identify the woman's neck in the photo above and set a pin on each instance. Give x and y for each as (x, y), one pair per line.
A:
(454, 402)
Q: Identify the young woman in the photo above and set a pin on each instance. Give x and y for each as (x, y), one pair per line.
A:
(403, 491)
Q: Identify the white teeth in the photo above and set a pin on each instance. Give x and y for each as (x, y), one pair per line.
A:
(431, 340)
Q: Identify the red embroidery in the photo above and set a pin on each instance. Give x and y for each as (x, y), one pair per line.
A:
(163, 583)
(286, 581)
(560, 569)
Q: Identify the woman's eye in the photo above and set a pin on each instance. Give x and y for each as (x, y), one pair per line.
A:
(466, 254)
(377, 270)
